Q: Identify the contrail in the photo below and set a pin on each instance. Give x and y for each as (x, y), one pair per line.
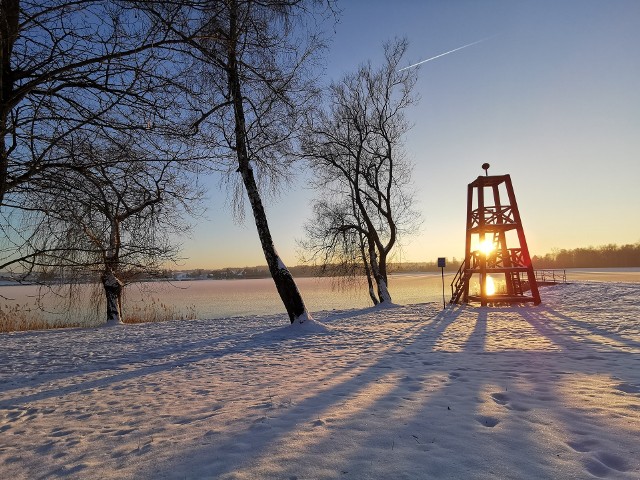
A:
(446, 53)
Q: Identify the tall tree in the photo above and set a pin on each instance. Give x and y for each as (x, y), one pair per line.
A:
(74, 69)
(252, 77)
(360, 169)
(71, 64)
(115, 217)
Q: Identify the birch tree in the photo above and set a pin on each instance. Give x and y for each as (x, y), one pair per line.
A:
(116, 218)
(252, 76)
(69, 70)
(361, 171)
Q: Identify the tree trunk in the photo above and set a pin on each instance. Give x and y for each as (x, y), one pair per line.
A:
(383, 292)
(286, 286)
(4, 168)
(9, 27)
(372, 292)
(113, 293)
(367, 271)
(382, 265)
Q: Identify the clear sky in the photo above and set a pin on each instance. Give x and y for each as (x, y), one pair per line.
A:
(552, 98)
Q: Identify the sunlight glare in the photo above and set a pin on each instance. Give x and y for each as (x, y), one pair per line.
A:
(486, 246)
(490, 287)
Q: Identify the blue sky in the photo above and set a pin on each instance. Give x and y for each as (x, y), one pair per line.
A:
(552, 98)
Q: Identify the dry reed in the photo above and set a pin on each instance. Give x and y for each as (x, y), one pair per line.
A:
(157, 311)
(17, 318)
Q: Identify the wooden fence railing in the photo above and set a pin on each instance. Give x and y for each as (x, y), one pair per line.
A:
(551, 276)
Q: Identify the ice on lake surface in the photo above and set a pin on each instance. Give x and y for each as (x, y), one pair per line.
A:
(240, 298)
(211, 299)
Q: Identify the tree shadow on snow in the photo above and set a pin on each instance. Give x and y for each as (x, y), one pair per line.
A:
(125, 365)
(414, 406)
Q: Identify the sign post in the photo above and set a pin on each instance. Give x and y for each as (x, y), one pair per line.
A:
(442, 262)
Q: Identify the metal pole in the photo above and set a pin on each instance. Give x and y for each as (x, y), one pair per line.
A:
(444, 304)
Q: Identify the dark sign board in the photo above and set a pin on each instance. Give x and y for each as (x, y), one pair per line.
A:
(442, 262)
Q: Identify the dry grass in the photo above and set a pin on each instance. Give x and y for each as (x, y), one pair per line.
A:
(157, 311)
(17, 318)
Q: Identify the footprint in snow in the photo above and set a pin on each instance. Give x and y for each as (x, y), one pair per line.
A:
(15, 414)
(612, 461)
(585, 445)
(500, 398)
(45, 449)
(487, 421)
(597, 467)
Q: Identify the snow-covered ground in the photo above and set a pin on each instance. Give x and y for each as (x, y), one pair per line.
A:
(403, 392)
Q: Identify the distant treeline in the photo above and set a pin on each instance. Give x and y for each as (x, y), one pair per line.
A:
(591, 257)
(604, 256)
(317, 270)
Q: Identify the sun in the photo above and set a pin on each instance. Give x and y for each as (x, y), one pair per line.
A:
(486, 247)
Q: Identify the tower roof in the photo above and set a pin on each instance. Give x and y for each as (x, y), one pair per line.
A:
(489, 181)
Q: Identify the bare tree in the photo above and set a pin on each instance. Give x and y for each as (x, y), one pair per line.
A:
(253, 61)
(114, 213)
(73, 70)
(355, 151)
(71, 64)
(82, 67)
(333, 241)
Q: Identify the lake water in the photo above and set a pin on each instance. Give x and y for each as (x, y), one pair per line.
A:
(242, 298)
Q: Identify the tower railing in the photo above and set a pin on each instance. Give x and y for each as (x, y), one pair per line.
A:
(493, 216)
(457, 284)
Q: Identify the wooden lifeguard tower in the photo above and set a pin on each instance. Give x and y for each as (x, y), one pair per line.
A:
(490, 225)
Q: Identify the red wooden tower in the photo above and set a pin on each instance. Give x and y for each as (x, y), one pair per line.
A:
(491, 223)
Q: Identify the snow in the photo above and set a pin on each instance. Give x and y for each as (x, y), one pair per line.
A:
(399, 392)
(307, 319)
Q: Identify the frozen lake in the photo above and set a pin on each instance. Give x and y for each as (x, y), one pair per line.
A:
(243, 298)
